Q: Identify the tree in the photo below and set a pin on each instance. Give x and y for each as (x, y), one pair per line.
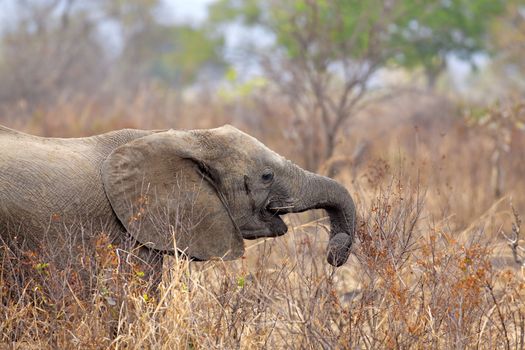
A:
(50, 48)
(430, 31)
(508, 38)
(326, 52)
(56, 48)
(171, 52)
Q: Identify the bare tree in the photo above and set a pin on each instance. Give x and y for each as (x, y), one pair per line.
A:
(49, 49)
(518, 252)
(324, 57)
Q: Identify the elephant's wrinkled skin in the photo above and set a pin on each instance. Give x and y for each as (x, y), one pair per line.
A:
(208, 188)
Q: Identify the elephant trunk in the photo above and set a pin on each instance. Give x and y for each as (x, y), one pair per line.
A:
(313, 191)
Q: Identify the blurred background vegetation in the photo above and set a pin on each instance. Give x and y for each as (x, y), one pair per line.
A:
(78, 67)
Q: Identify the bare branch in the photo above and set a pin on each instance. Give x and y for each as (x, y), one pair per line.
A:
(518, 252)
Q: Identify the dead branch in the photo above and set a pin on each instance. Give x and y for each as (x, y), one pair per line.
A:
(518, 252)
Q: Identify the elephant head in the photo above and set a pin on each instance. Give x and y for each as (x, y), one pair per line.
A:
(210, 189)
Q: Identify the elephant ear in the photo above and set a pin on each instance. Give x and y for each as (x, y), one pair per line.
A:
(166, 197)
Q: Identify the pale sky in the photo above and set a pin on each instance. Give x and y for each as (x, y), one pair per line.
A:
(191, 10)
(184, 10)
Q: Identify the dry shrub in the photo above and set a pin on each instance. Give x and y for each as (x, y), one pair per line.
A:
(427, 287)
(151, 107)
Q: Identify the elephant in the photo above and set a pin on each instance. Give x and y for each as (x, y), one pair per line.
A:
(194, 193)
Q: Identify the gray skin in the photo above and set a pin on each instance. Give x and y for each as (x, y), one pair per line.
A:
(197, 192)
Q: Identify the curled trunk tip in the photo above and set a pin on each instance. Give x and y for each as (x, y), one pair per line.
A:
(320, 192)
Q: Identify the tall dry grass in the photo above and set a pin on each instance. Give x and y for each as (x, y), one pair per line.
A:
(430, 269)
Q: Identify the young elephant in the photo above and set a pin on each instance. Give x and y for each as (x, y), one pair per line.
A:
(198, 192)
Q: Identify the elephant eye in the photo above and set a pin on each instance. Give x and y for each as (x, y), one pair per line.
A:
(267, 175)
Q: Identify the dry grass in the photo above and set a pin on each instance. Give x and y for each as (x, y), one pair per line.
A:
(431, 268)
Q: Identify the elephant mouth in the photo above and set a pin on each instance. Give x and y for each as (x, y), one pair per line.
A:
(267, 224)
(281, 207)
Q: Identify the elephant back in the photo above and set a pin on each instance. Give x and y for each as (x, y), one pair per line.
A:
(51, 190)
